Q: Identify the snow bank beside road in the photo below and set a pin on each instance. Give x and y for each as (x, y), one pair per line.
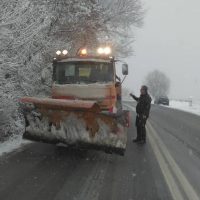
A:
(12, 144)
(185, 106)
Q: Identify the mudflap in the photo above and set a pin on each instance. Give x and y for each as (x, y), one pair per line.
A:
(82, 129)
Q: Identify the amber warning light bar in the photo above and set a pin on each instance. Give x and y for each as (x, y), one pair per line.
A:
(101, 51)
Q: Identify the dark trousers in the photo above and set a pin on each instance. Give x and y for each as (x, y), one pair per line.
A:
(141, 129)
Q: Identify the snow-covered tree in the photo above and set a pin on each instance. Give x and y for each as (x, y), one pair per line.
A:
(158, 83)
(31, 31)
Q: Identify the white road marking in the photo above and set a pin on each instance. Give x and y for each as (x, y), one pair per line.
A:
(169, 167)
(169, 178)
(186, 186)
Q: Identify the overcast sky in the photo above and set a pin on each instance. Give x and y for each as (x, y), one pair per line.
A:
(169, 41)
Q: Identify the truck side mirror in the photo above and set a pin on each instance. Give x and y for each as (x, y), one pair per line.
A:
(125, 69)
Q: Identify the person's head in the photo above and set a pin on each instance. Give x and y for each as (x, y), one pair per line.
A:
(144, 90)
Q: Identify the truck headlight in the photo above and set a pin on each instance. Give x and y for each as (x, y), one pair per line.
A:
(107, 50)
(58, 52)
(64, 52)
(100, 50)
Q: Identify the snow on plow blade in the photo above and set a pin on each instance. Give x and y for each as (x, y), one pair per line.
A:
(74, 122)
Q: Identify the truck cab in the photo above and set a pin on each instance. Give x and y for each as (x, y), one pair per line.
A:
(87, 78)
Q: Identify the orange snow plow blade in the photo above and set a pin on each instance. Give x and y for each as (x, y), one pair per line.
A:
(74, 122)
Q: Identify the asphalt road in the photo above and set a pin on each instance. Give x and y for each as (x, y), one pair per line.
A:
(167, 167)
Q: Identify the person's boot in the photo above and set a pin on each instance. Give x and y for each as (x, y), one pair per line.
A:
(143, 137)
(142, 141)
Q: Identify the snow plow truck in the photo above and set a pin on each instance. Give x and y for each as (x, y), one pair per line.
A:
(85, 108)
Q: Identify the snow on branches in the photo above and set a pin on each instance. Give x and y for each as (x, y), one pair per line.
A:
(32, 30)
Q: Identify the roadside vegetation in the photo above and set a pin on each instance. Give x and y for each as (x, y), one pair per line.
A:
(31, 31)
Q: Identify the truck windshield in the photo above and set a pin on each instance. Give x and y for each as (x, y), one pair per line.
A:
(83, 72)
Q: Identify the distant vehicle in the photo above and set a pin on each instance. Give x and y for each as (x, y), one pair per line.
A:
(164, 100)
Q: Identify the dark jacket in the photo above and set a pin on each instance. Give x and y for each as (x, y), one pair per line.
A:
(143, 105)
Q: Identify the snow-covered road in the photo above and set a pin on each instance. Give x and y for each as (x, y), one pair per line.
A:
(171, 157)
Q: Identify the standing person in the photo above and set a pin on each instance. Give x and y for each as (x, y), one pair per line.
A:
(142, 110)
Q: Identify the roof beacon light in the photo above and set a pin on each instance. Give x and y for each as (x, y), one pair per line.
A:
(100, 50)
(58, 52)
(64, 52)
(83, 52)
(107, 50)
